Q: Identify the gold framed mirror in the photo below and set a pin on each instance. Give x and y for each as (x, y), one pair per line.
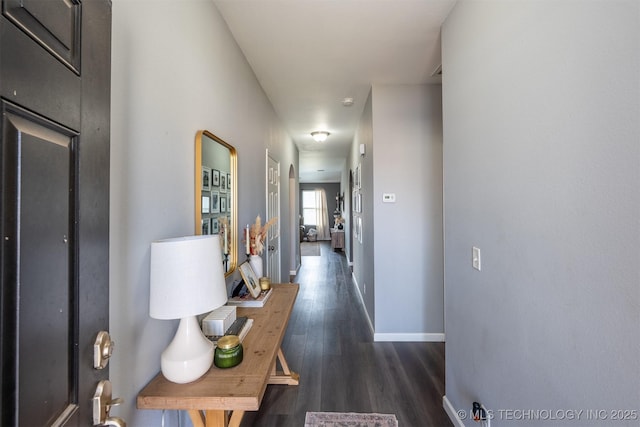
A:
(216, 194)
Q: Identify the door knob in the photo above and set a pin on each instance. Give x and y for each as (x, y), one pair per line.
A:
(102, 404)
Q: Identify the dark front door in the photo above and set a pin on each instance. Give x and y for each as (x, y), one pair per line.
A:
(54, 207)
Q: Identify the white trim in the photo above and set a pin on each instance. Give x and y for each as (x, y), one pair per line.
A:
(364, 307)
(296, 271)
(451, 411)
(408, 337)
(269, 254)
(395, 337)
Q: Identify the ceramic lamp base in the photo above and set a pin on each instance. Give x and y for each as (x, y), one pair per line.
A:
(190, 354)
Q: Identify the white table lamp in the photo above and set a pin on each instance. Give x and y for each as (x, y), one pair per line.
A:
(187, 279)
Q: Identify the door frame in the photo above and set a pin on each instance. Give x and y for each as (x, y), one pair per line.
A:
(268, 261)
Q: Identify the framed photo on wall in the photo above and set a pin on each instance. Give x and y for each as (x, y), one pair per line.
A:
(229, 181)
(206, 178)
(205, 226)
(215, 226)
(215, 177)
(215, 202)
(223, 182)
(206, 204)
(223, 203)
(355, 230)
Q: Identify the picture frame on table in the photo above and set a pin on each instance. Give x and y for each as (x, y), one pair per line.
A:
(250, 279)
(215, 177)
(206, 178)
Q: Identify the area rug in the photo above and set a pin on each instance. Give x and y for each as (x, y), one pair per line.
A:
(310, 249)
(349, 419)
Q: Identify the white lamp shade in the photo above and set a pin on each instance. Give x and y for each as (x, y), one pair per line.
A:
(187, 277)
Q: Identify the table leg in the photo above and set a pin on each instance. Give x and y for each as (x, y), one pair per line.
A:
(215, 418)
(236, 418)
(286, 376)
(197, 418)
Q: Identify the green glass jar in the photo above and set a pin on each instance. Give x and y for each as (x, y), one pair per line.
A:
(228, 352)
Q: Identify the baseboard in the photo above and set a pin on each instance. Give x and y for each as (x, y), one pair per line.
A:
(395, 337)
(451, 412)
(408, 337)
(295, 272)
(364, 307)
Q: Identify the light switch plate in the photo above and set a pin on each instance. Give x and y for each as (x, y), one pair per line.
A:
(389, 198)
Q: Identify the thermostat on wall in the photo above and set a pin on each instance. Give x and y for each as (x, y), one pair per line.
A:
(389, 198)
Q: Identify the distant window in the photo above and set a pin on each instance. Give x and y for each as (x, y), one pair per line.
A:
(310, 207)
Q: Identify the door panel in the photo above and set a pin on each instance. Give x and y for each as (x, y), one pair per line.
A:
(32, 77)
(55, 25)
(46, 293)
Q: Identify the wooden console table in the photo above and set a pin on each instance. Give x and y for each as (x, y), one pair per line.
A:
(221, 396)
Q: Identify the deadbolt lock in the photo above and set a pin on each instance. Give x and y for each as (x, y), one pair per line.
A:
(102, 350)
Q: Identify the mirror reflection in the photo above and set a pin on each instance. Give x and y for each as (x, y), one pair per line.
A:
(215, 193)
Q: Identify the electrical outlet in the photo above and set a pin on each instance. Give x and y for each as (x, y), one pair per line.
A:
(480, 414)
(476, 261)
(486, 422)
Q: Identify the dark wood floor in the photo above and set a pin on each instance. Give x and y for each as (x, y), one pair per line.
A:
(329, 343)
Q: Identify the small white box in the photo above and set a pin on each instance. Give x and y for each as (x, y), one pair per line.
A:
(218, 321)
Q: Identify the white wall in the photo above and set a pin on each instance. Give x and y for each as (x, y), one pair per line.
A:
(407, 162)
(363, 261)
(542, 172)
(398, 268)
(175, 70)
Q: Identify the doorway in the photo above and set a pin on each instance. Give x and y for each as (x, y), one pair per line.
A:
(295, 231)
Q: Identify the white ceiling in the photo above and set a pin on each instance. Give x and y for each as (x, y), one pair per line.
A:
(309, 55)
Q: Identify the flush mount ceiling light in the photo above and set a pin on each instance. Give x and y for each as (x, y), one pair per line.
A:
(320, 135)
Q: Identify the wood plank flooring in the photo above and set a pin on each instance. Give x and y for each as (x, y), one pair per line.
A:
(329, 343)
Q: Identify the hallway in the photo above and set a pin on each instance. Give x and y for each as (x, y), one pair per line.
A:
(329, 343)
